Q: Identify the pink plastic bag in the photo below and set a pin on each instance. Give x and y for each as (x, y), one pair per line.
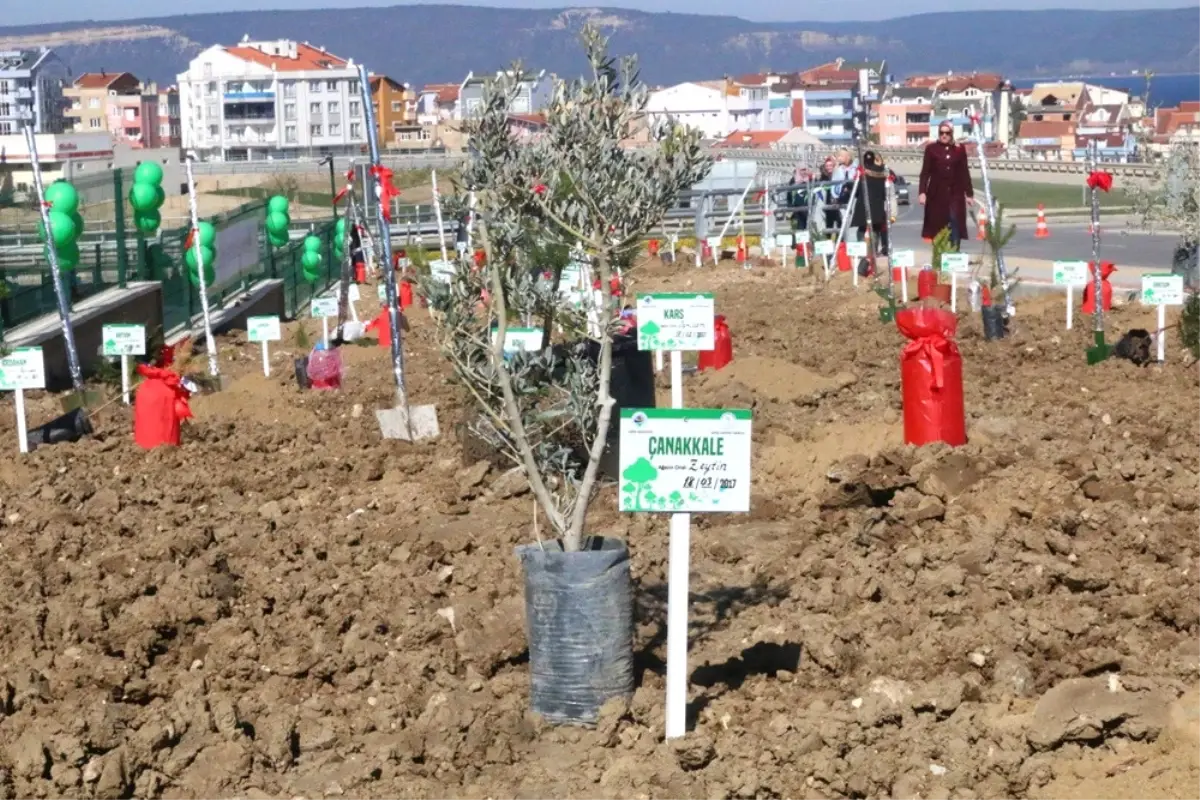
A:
(325, 369)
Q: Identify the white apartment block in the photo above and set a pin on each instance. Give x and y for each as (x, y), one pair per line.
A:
(31, 91)
(271, 100)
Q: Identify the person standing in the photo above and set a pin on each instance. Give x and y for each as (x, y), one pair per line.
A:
(945, 187)
(872, 190)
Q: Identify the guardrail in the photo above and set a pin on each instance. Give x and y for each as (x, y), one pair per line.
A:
(340, 164)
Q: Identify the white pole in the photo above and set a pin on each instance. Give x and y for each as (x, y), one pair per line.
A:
(209, 343)
(266, 360)
(854, 262)
(1161, 333)
(125, 378)
(1070, 306)
(22, 431)
(679, 547)
(734, 213)
(658, 360)
(325, 330)
(470, 221)
(903, 284)
(953, 292)
(437, 209)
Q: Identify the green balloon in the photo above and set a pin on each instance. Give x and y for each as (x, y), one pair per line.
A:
(160, 197)
(340, 225)
(147, 221)
(277, 204)
(62, 197)
(78, 220)
(62, 227)
(206, 233)
(312, 274)
(278, 239)
(207, 252)
(278, 222)
(68, 256)
(312, 244)
(143, 196)
(310, 259)
(148, 172)
(210, 274)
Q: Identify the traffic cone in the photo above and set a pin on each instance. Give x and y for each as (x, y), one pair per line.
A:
(741, 249)
(1042, 231)
(981, 232)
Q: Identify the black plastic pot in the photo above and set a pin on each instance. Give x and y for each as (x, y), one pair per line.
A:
(301, 367)
(579, 624)
(995, 323)
(70, 427)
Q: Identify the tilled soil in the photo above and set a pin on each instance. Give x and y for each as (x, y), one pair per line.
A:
(288, 606)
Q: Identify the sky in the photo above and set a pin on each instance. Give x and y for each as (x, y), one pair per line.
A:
(48, 11)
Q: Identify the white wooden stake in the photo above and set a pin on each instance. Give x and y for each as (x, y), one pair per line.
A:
(953, 292)
(210, 343)
(1160, 336)
(679, 554)
(22, 431)
(437, 209)
(266, 360)
(658, 360)
(903, 284)
(1070, 306)
(125, 379)
(325, 330)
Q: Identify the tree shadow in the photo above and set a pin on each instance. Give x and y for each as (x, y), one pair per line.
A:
(711, 611)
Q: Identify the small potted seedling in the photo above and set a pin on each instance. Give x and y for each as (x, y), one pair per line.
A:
(997, 237)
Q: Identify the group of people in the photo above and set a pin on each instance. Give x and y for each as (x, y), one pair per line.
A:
(944, 187)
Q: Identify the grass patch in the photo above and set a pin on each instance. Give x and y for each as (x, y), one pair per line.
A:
(1027, 195)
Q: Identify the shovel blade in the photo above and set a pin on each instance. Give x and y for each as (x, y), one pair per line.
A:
(887, 314)
(88, 398)
(1099, 352)
(419, 423)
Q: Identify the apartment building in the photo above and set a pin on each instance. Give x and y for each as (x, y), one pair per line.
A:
(533, 95)
(956, 97)
(903, 117)
(139, 114)
(436, 103)
(395, 106)
(264, 100)
(31, 91)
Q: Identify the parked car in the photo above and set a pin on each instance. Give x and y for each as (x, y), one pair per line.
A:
(901, 188)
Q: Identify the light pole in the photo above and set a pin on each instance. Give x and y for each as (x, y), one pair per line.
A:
(332, 181)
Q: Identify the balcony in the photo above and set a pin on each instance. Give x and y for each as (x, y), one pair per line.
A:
(251, 119)
(23, 93)
(827, 112)
(249, 97)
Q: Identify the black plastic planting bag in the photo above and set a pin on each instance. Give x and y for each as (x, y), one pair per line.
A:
(579, 622)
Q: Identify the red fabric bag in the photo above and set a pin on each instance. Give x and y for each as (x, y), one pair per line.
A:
(160, 404)
(722, 352)
(1089, 294)
(931, 382)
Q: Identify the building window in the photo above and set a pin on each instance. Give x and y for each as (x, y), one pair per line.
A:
(395, 106)
(314, 87)
(289, 111)
(94, 102)
(289, 134)
(354, 87)
(335, 129)
(315, 131)
(355, 109)
(334, 108)
(210, 88)
(131, 113)
(356, 130)
(289, 89)
(94, 122)
(213, 131)
(314, 109)
(164, 130)
(331, 86)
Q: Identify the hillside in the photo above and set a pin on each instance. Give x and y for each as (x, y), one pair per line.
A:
(442, 43)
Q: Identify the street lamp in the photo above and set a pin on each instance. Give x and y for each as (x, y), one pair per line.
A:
(332, 182)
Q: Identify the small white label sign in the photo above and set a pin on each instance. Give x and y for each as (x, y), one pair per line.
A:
(263, 329)
(518, 340)
(714, 243)
(352, 293)
(856, 249)
(23, 368)
(803, 237)
(823, 247)
(324, 307)
(124, 340)
(904, 258)
(381, 292)
(955, 262)
(441, 271)
(1070, 273)
(1162, 290)
(685, 460)
(675, 321)
(783, 240)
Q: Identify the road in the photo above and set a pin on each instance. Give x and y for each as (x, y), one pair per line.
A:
(1069, 241)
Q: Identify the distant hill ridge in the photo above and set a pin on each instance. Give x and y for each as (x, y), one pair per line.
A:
(432, 43)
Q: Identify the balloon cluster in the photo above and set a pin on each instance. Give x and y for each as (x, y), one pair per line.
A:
(339, 239)
(278, 221)
(202, 240)
(147, 196)
(65, 223)
(312, 258)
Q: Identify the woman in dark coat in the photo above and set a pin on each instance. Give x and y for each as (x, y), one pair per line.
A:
(945, 186)
(872, 189)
